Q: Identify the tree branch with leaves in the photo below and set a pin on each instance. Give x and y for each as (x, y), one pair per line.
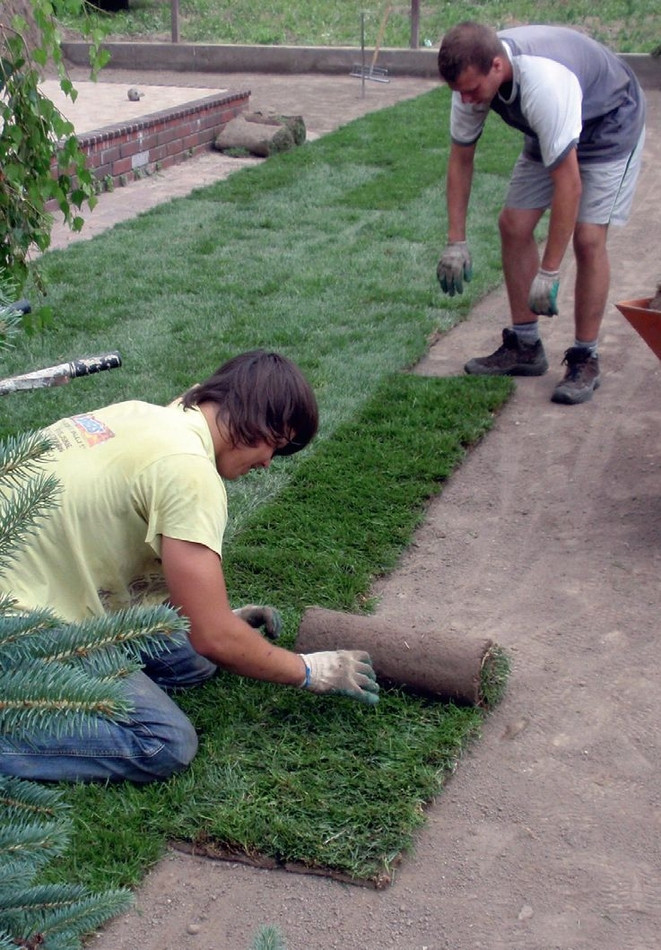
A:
(42, 166)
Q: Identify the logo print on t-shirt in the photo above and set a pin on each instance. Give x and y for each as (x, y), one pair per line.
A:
(92, 430)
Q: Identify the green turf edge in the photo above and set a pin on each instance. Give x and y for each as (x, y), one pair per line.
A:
(494, 674)
(351, 507)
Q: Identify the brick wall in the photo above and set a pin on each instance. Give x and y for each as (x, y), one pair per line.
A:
(119, 154)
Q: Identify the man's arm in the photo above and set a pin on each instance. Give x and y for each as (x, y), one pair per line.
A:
(566, 178)
(459, 180)
(196, 585)
(564, 210)
(455, 264)
(194, 576)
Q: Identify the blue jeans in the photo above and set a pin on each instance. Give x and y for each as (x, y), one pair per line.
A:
(156, 741)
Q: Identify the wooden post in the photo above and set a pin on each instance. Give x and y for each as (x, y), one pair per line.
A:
(415, 24)
(174, 12)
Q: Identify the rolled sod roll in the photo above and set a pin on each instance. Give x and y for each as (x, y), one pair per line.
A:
(465, 670)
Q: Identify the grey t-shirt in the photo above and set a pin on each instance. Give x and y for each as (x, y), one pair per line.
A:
(567, 90)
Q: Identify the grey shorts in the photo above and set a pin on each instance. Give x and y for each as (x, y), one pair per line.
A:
(608, 187)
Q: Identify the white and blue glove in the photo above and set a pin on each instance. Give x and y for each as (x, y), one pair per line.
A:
(343, 672)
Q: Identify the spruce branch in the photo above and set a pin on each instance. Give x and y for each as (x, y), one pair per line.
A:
(43, 688)
(17, 876)
(22, 512)
(77, 911)
(36, 843)
(21, 455)
(10, 325)
(54, 699)
(118, 641)
(21, 635)
(40, 898)
(22, 799)
(136, 630)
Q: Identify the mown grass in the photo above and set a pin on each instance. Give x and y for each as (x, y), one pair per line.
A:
(327, 253)
(625, 25)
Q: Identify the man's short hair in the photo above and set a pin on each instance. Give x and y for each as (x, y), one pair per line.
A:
(468, 44)
(261, 396)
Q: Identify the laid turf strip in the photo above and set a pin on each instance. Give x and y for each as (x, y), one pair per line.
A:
(323, 783)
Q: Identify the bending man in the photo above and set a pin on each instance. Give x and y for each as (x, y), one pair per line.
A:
(582, 112)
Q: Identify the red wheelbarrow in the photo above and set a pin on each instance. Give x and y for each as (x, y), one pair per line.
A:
(646, 322)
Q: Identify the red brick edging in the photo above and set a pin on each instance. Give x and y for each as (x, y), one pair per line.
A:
(121, 153)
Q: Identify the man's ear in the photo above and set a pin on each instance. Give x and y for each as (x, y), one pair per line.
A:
(500, 66)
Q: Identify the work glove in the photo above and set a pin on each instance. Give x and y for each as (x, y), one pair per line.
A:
(454, 267)
(259, 616)
(344, 672)
(543, 297)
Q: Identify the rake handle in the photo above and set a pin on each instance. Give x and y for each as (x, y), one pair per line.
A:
(380, 34)
(60, 374)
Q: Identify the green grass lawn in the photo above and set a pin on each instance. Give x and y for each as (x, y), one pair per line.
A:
(626, 25)
(328, 254)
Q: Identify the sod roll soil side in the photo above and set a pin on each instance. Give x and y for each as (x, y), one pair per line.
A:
(430, 662)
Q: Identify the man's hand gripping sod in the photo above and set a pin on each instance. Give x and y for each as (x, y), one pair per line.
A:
(345, 672)
(454, 267)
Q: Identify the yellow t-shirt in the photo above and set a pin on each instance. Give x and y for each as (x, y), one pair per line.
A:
(129, 473)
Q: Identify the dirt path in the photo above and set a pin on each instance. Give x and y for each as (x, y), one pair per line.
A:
(548, 539)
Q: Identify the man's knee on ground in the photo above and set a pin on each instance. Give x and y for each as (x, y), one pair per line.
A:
(137, 752)
(175, 753)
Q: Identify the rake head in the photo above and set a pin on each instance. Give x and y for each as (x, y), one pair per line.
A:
(375, 73)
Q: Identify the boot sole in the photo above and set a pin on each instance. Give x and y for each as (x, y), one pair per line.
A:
(475, 369)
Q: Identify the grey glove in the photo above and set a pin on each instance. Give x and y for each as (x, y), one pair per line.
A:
(454, 267)
(259, 616)
(543, 296)
(344, 672)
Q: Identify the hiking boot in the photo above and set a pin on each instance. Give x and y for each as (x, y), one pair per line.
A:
(581, 378)
(513, 358)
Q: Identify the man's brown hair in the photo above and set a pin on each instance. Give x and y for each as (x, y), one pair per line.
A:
(468, 44)
(261, 396)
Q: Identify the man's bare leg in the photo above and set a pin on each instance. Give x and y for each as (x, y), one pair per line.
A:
(592, 280)
(520, 256)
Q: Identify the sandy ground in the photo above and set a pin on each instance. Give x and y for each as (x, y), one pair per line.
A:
(547, 539)
(91, 111)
